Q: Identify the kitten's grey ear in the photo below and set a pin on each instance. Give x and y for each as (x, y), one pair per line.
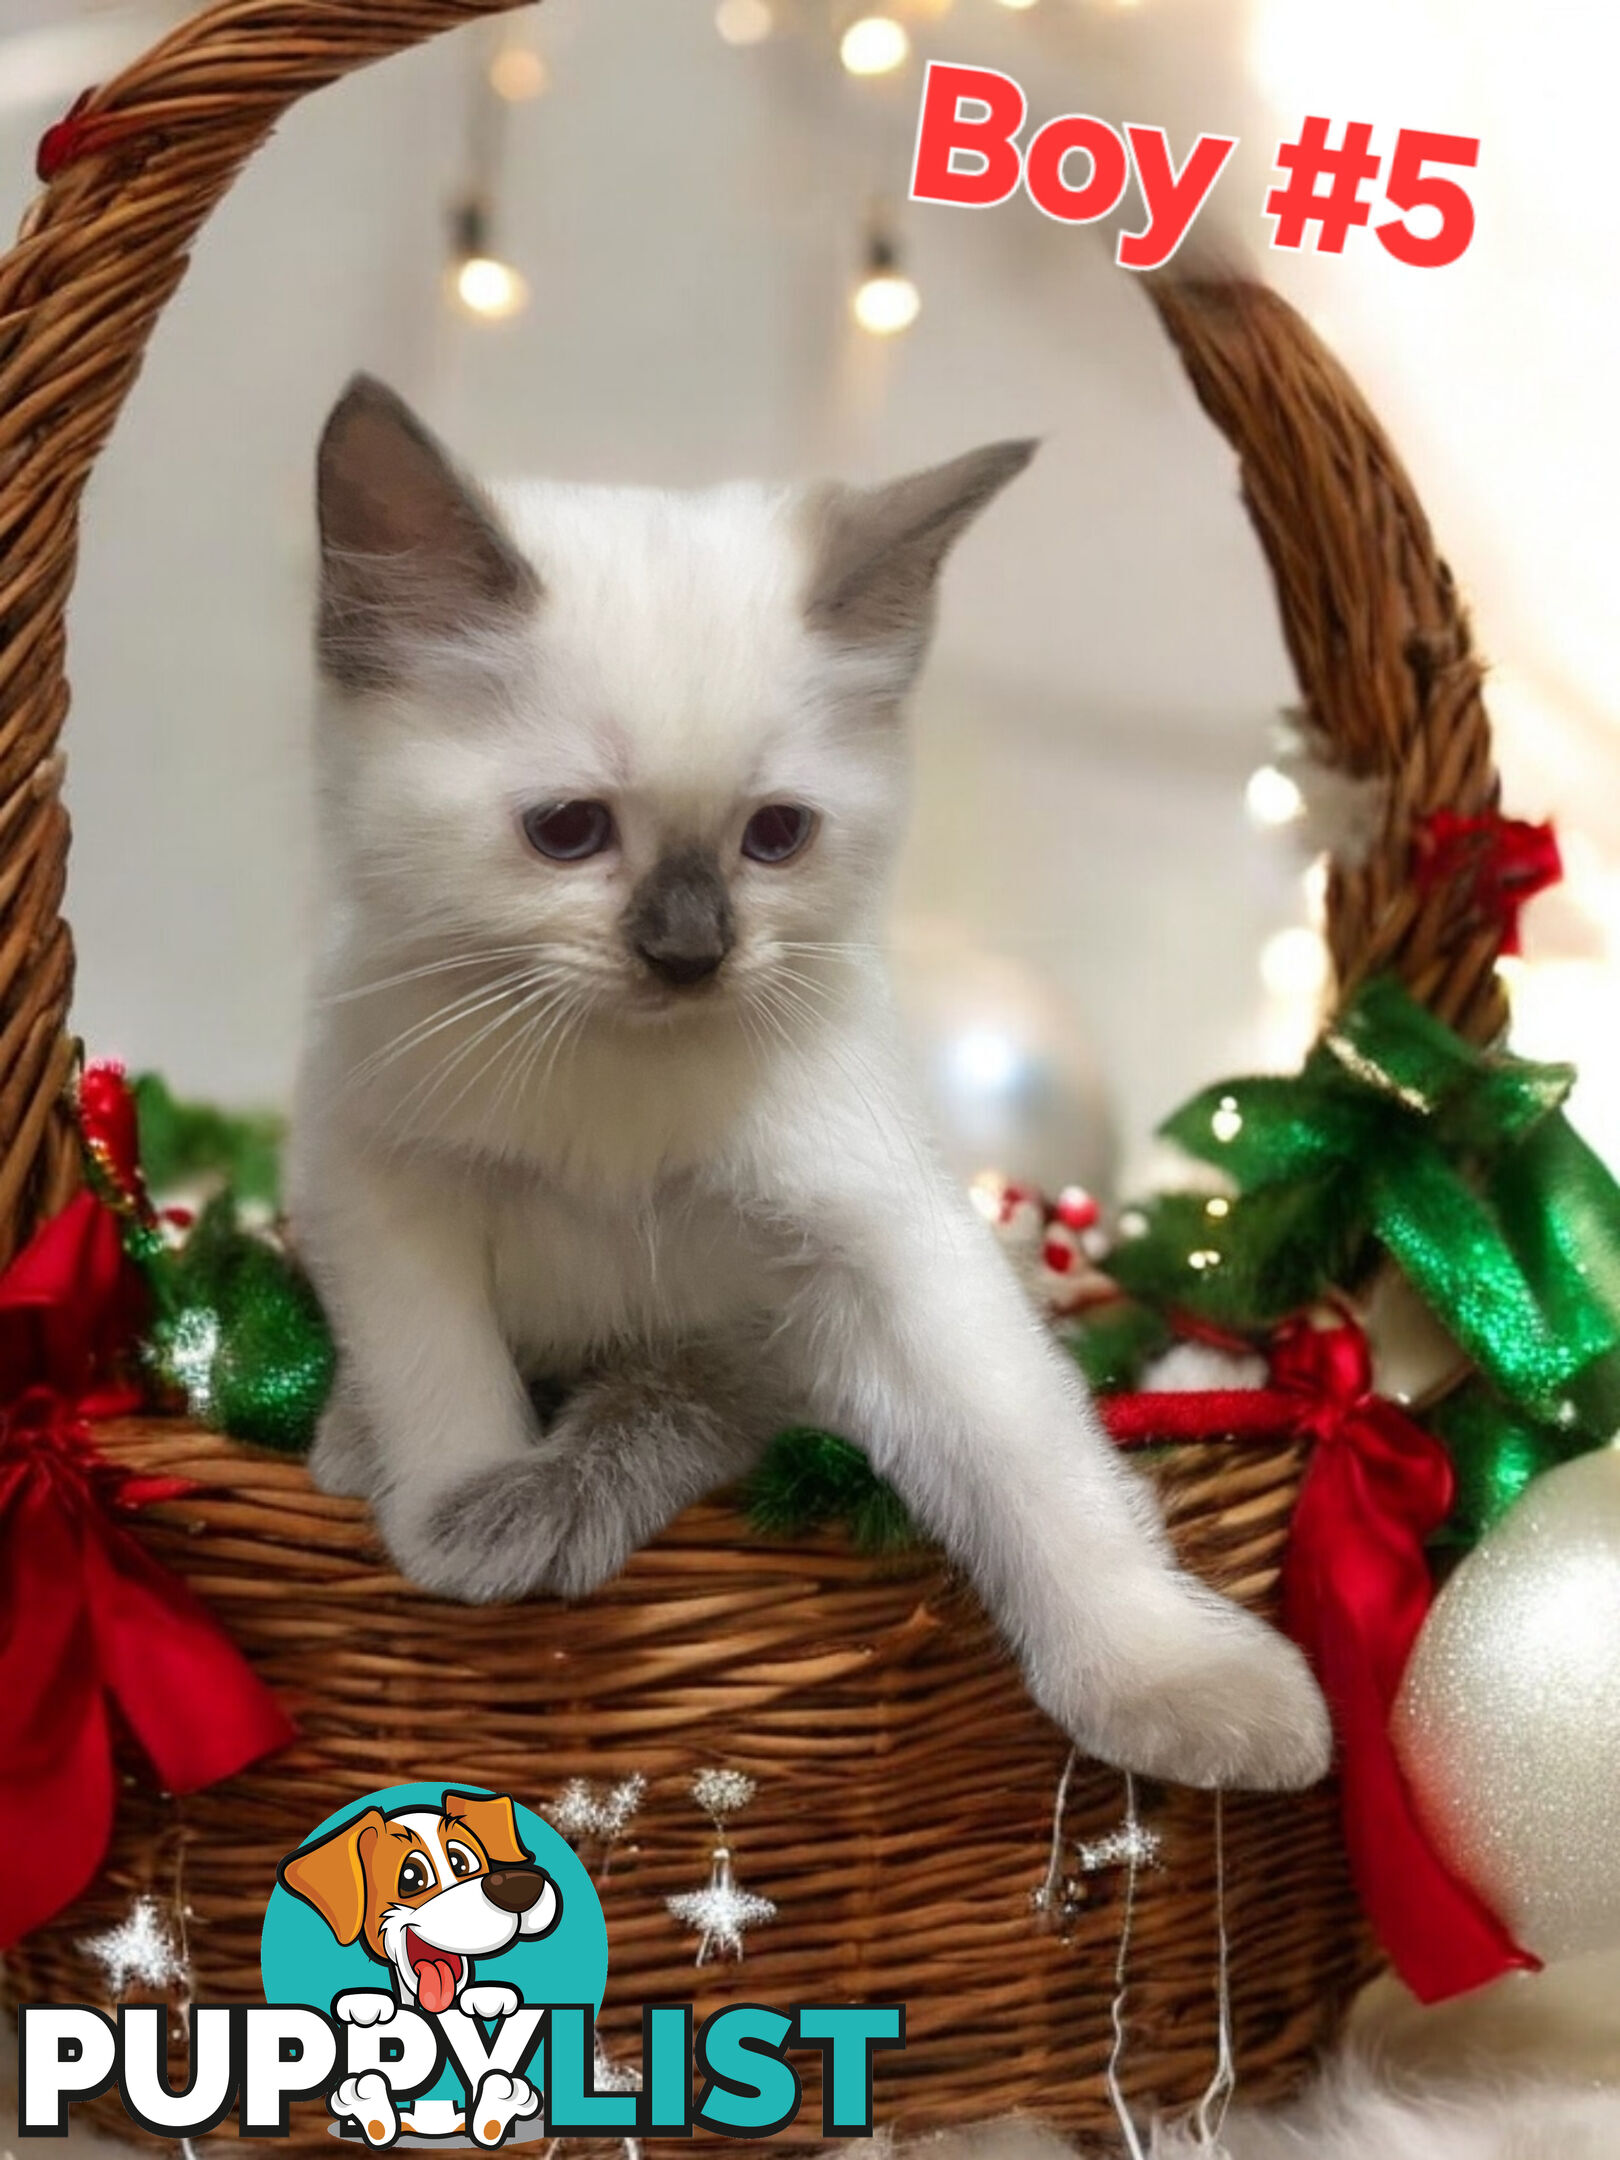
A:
(412, 552)
(876, 552)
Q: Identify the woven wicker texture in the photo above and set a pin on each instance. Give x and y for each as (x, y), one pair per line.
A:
(1392, 690)
(905, 1785)
(903, 1812)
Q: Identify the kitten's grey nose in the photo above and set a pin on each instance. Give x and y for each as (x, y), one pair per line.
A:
(681, 968)
(679, 922)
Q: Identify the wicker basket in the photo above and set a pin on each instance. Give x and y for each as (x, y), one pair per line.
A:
(905, 1784)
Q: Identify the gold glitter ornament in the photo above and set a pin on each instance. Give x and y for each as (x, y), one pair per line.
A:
(1508, 1720)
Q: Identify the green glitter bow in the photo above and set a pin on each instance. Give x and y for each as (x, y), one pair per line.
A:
(1456, 1162)
(236, 1332)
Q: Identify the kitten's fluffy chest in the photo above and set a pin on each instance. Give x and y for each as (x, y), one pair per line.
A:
(613, 1110)
(574, 1278)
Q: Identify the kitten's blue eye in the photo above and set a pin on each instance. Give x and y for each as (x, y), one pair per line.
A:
(776, 833)
(568, 831)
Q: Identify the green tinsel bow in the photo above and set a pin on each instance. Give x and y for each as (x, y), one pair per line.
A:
(1456, 1162)
(239, 1333)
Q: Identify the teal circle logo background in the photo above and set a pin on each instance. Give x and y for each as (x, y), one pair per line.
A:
(302, 1961)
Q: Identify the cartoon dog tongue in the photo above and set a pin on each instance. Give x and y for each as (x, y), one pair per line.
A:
(437, 1972)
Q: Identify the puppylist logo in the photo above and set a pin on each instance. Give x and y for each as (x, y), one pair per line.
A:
(434, 1960)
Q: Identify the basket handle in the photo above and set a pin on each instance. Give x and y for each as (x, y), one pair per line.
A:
(1378, 639)
(145, 159)
(1380, 642)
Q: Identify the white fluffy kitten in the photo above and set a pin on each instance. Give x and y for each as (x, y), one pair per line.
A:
(605, 1161)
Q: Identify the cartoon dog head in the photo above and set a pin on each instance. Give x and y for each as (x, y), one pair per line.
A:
(426, 1890)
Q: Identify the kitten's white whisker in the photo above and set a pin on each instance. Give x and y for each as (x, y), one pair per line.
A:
(471, 1002)
(837, 946)
(537, 1031)
(447, 1066)
(869, 1094)
(431, 967)
(498, 1050)
(571, 1030)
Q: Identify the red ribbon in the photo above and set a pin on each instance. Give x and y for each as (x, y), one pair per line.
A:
(1356, 1591)
(94, 1634)
(82, 133)
(1506, 861)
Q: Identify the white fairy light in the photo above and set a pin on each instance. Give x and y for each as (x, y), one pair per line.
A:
(489, 288)
(886, 303)
(1315, 883)
(518, 73)
(1227, 1120)
(874, 45)
(1273, 797)
(744, 22)
(1294, 962)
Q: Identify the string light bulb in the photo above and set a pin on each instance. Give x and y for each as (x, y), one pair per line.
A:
(1294, 962)
(886, 301)
(484, 285)
(518, 73)
(1018, 6)
(874, 45)
(1273, 797)
(744, 22)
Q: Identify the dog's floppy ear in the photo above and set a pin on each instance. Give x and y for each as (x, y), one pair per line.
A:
(492, 1822)
(331, 1875)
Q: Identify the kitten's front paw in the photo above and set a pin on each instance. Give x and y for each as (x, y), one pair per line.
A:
(1214, 1698)
(344, 1460)
(491, 1538)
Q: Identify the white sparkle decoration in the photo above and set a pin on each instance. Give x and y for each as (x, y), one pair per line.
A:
(722, 1792)
(141, 1949)
(1132, 1845)
(614, 2076)
(720, 1914)
(582, 1809)
(193, 1347)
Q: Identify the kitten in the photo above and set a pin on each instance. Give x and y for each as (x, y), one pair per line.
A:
(605, 1161)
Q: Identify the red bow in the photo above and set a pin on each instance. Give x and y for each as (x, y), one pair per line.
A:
(1356, 1590)
(90, 1624)
(1506, 861)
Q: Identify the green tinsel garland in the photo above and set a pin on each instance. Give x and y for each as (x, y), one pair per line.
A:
(183, 1143)
(809, 1479)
